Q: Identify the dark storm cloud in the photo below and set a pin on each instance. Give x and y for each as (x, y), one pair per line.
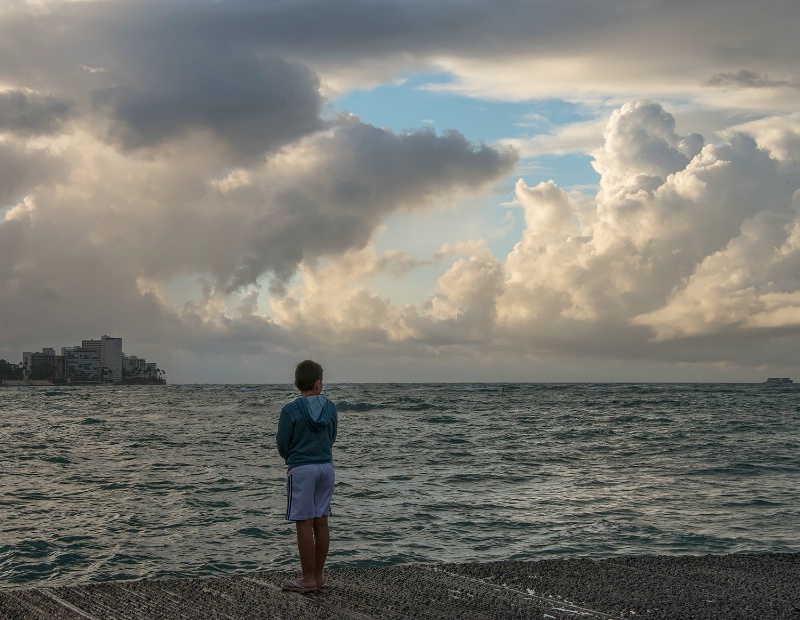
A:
(30, 113)
(365, 173)
(251, 104)
(22, 169)
(160, 71)
(414, 26)
(746, 79)
(248, 72)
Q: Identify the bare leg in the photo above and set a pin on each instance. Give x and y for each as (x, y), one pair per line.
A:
(322, 540)
(306, 547)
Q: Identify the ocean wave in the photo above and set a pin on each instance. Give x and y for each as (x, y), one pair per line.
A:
(344, 405)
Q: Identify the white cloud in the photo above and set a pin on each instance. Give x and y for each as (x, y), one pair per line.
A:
(778, 135)
(752, 284)
(580, 137)
(685, 240)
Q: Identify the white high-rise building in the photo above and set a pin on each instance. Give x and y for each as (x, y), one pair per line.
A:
(81, 364)
(110, 350)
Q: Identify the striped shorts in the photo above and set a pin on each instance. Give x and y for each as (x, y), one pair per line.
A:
(309, 489)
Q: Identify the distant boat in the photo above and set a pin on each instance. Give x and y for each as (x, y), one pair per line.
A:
(778, 380)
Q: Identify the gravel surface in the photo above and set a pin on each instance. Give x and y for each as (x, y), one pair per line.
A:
(729, 587)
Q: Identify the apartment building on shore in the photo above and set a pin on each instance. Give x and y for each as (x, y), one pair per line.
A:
(94, 361)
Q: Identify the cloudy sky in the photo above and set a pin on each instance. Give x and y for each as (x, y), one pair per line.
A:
(405, 190)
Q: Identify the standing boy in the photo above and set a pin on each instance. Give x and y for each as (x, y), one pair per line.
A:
(306, 432)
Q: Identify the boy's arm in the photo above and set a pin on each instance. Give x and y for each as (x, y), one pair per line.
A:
(284, 435)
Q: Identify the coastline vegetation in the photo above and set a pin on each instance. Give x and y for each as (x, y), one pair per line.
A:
(9, 371)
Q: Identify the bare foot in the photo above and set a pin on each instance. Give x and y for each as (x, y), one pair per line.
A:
(298, 585)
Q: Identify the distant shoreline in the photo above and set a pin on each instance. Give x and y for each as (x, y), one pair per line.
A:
(22, 382)
(48, 383)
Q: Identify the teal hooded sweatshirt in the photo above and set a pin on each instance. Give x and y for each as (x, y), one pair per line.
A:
(307, 430)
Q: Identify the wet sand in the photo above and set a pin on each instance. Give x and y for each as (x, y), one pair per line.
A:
(727, 587)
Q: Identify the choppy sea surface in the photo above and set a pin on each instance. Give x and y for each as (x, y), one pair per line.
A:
(113, 483)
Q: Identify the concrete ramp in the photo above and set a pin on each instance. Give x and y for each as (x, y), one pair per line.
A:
(731, 587)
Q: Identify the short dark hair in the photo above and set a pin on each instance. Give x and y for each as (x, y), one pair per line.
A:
(307, 373)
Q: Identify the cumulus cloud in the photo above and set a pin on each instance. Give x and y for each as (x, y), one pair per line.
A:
(685, 243)
(751, 284)
(683, 239)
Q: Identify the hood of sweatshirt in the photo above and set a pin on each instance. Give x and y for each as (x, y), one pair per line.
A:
(319, 411)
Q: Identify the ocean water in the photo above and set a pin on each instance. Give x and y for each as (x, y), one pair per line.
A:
(113, 483)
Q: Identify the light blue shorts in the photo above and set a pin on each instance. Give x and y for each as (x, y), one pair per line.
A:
(309, 489)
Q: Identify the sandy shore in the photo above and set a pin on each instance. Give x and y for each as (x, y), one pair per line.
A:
(730, 587)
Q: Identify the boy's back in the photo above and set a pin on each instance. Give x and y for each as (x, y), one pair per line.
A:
(307, 430)
(306, 433)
